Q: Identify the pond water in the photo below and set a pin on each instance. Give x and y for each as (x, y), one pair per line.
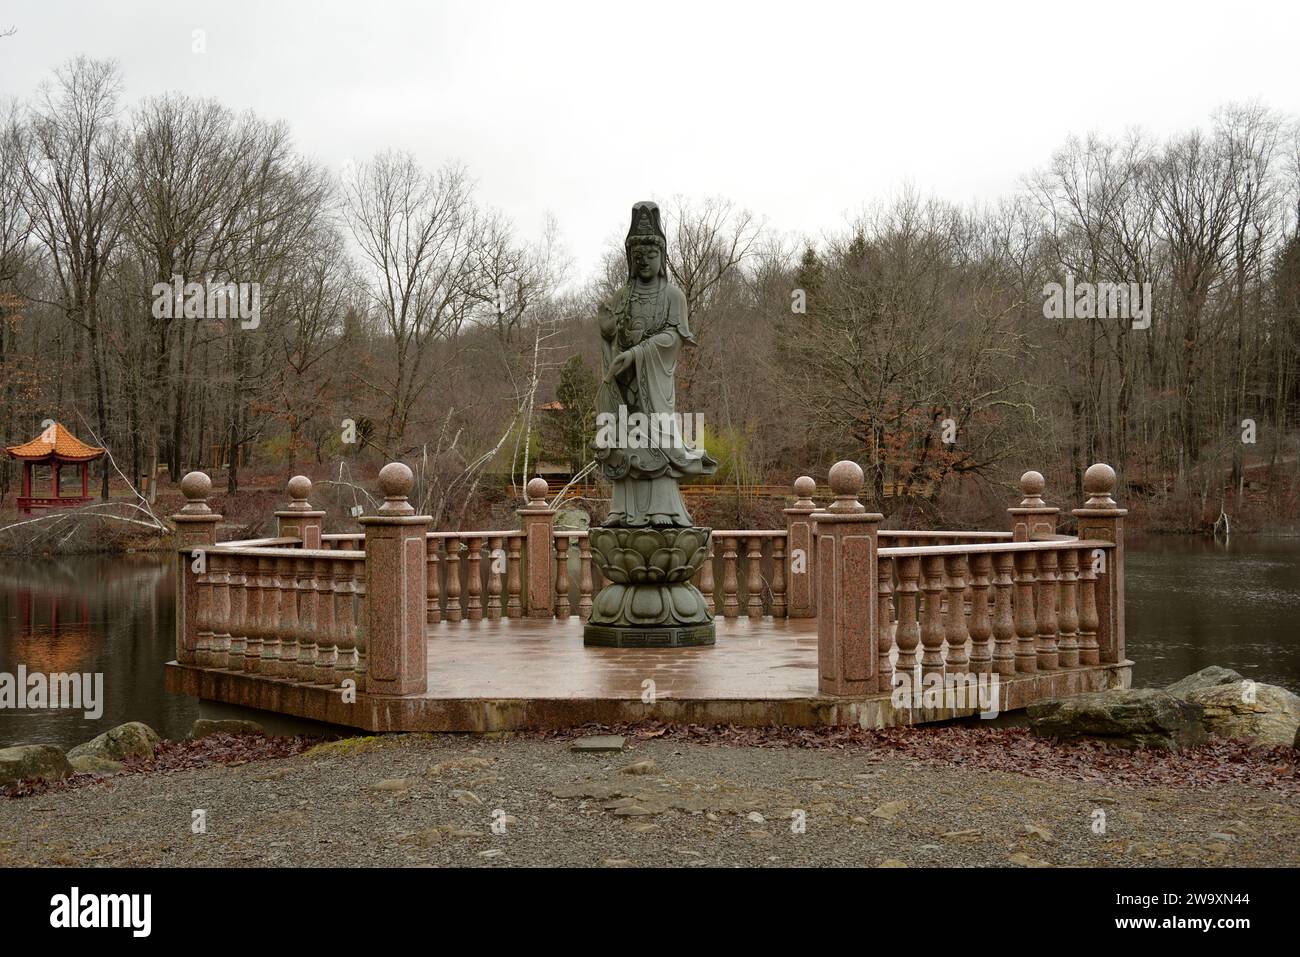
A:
(1191, 603)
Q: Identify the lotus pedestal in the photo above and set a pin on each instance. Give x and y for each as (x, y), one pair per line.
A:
(649, 601)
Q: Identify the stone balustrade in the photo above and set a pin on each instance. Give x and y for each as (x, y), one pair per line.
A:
(474, 575)
(1026, 602)
(321, 609)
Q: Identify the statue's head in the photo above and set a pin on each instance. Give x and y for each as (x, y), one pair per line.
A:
(646, 244)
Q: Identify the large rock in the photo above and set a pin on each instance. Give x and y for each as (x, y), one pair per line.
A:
(1205, 678)
(206, 726)
(1259, 713)
(89, 764)
(135, 739)
(1123, 717)
(32, 761)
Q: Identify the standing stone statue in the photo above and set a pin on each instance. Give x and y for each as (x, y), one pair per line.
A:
(648, 547)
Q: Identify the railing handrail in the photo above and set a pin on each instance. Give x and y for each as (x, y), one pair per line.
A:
(256, 543)
(245, 552)
(751, 532)
(914, 551)
(927, 533)
(475, 534)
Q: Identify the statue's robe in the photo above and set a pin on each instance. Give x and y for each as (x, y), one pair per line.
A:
(645, 474)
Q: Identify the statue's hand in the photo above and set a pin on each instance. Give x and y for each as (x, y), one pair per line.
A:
(621, 362)
(608, 322)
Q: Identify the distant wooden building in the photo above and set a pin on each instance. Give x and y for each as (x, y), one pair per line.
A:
(53, 448)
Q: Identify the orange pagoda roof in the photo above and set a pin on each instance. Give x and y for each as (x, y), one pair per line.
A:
(55, 442)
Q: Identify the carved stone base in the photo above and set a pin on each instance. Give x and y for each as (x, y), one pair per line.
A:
(634, 636)
(649, 601)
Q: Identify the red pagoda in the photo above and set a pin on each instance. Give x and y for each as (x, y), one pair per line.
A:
(55, 447)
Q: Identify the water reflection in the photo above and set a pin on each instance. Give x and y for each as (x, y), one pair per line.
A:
(113, 615)
(1191, 603)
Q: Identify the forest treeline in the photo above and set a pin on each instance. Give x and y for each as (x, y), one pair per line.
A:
(402, 317)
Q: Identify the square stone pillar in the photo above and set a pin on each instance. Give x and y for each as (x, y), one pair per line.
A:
(1101, 519)
(1033, 518)
(537, 521)
(300, 520)
(801, 577)
(196, 528)
(847, 589)
(396, 587)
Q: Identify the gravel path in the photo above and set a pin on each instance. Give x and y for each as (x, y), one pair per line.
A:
(441, 800)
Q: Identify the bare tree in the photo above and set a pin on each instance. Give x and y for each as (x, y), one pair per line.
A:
(420, 238)
(73, 147)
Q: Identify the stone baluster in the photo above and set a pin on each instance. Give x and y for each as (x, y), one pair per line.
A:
(396, 581)
(1026, 622)
(1004, 623)
(305, 573)
(326, 633)
(253, 623)
(453, 579)
(847, 584)
(433, 597)
(754, 579)
(584, 578)
(496, 569)
(345, 664)
(1045, 601)
(955, 630)
(1033, 518)
(932, 616)
(219, 572)
(562, 608)
(800, 539)
(474, 579)
(537, 519)
(885, 628)
(271, 601)
(981, 626)
(359, 617)
(196, 528)
(202, 653)
(907, 633)
(300, 520)
(1068, 616)
(779, 601)
(514, 602)
(1101, 519)
(730, 587)
(288, 627)
(705, 580)
(238, 613)
(1088, 618)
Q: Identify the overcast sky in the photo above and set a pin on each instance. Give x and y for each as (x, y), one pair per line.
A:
(803, 111)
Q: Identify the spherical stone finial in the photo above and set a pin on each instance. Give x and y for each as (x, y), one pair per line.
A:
(804, 486)
(846, 482)
(1099, 482)
(1032, 485)
(396, 481)
(196, 487)
(537, 491)
(299, 489)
